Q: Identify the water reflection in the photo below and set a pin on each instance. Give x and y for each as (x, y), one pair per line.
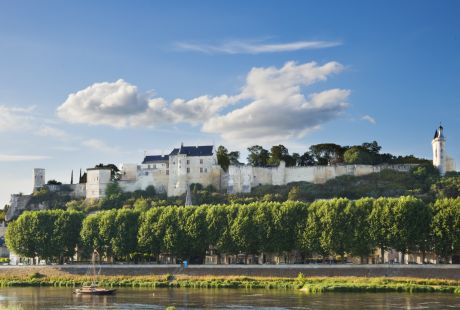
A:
(63, 298)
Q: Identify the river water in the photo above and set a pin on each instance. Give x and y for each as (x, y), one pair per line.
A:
(126, 298)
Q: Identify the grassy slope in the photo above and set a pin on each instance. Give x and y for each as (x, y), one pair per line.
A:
(309, 285)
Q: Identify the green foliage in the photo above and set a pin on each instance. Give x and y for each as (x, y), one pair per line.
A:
(327, 153)
(357, 155)
(258, 156)
(447, 187)
(446, 227)
(222, 157)
(46, 234)
(330, 228)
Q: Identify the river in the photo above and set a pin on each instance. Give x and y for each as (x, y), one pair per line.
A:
(141, 298)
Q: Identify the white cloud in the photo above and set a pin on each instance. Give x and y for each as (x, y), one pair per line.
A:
(274, 106)
(369, 119)
(12, 158)
(119, 104)
(278, 110)
(16, 118)
(247, 47)
(100, 146)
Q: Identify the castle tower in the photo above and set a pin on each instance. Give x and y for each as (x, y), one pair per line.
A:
(439, 150)
(39, 178)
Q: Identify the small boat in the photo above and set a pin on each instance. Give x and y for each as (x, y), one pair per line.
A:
(94, 289)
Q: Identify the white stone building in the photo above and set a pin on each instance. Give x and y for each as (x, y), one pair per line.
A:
(441, 160)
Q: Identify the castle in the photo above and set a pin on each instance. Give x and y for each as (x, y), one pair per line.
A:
(173, 173)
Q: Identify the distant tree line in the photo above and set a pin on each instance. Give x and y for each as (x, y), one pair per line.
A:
(322, 154)
(336, 227)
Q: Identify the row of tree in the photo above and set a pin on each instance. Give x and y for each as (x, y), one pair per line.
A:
(322, 154)
(334, 227)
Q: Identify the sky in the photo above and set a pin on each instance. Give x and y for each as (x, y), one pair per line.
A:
(88, 82)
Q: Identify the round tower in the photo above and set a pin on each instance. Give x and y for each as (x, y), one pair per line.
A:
(39, 178)
(439, 150)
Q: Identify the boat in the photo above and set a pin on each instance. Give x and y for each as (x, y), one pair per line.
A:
(93, 288)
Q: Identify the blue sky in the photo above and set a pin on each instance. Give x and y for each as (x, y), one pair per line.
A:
(86, 82)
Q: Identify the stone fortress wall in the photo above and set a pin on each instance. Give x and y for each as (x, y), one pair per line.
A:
(241, 179)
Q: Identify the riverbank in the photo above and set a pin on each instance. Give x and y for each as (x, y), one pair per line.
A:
(306, 284)
(450, 272)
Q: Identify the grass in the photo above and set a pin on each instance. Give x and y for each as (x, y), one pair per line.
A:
(308, 285)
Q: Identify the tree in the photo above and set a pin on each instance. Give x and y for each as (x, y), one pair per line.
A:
(234, 158)
(219, 219)
(222, 157)
(380, 224)
(336, 226)
(124, 242)
(196, 230)
(244, 232)
(114, 197)
(358, 155)
(410, 223)
(107, 231)
(258, 156)
(327, 153)
(32, 235)
(149, 235)
(306, 159)
(447, 186)
(287, 221)
(446, 227)
(67, 227)
(90, 235)
(169, 227)
(362, 243)
(309, 240)
(277, 154)
(372, 147)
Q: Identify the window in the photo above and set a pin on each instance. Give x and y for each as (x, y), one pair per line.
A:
(188, 162)
(167, 172)
(201, 161)
(188, 170)
(201, 170)
(205, 169)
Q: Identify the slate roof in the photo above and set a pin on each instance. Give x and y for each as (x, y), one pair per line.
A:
(155, 158)
(438, 133)
(202, 150)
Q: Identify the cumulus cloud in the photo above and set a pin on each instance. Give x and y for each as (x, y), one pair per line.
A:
(119, 104)
(369, 119)
(245, 47)
(278, 110)
(271, 105)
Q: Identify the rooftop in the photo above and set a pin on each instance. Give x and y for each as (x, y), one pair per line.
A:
(155, 158)
(201, 150)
